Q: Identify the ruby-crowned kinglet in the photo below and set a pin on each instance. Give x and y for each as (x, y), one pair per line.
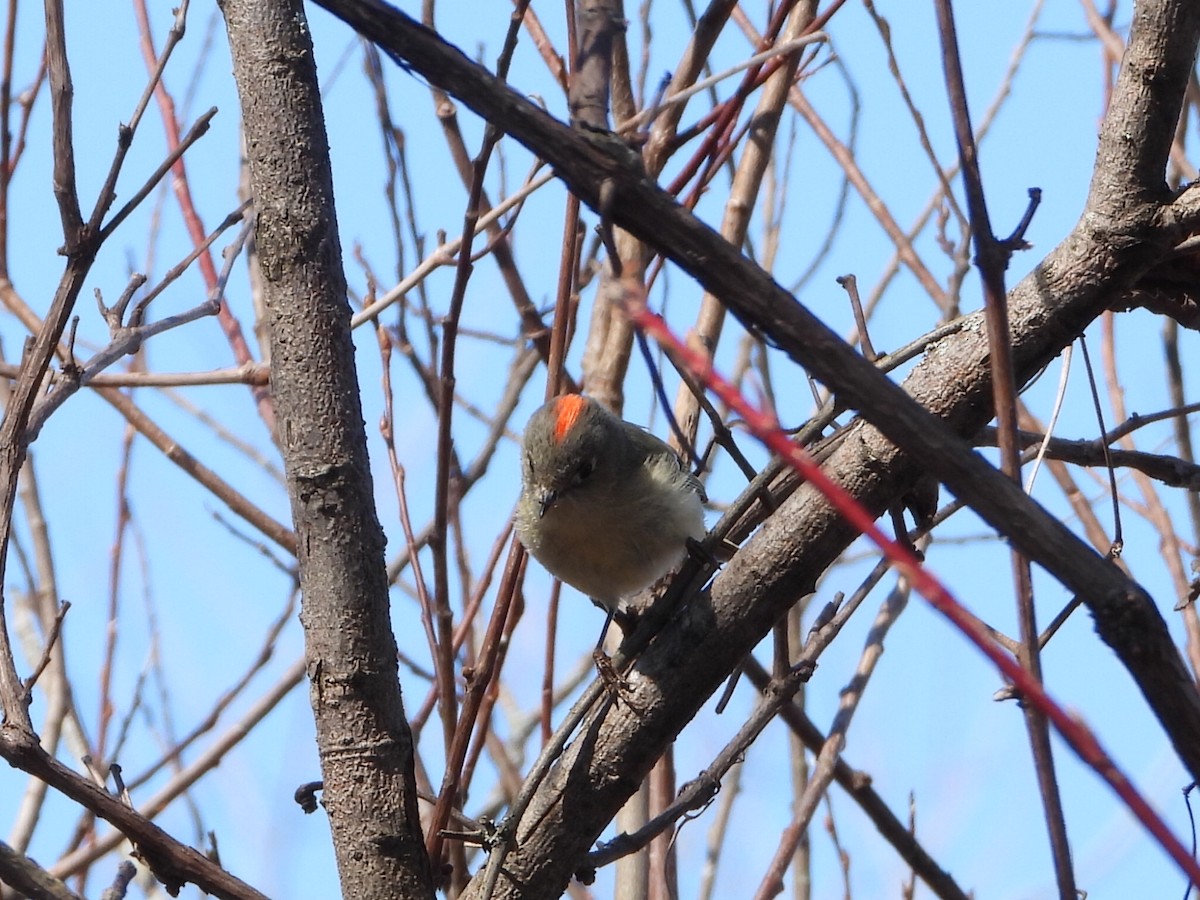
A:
(605, 506)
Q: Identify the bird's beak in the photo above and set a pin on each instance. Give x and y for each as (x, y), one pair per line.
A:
(548, 498)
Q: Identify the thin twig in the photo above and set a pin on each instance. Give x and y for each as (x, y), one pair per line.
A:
(47, 652)
(991, 258)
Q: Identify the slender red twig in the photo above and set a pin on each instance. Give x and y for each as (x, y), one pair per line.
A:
(764, 426)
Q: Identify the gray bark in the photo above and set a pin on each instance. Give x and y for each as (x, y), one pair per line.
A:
(364, 741)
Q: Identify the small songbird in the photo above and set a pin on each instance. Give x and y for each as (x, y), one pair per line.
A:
(605, 506)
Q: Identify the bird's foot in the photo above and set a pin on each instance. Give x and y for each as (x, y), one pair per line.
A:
(618, 686)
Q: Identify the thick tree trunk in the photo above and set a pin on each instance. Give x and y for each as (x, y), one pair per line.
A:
(363, 738)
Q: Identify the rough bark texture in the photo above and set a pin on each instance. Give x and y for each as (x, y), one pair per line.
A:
(598, 19)
(363, 738)
(1129, 225)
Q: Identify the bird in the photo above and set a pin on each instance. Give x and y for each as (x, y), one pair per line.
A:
(605, 506)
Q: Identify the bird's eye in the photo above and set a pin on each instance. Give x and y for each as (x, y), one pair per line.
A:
(585, 470)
